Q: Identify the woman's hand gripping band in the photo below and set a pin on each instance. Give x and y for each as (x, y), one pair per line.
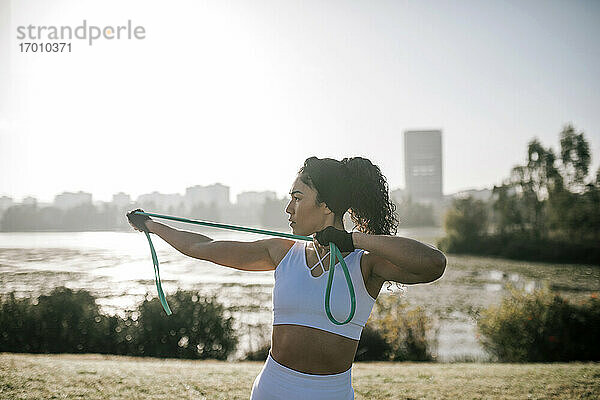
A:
(138, 221)
(342, 239)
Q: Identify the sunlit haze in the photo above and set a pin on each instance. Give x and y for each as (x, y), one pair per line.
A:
(243, 92)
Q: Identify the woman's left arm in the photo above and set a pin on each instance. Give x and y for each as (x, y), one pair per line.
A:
(400, 259)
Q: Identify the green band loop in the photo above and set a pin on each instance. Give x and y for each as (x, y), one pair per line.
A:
(161, 294)
(334, 254)
(230, 227)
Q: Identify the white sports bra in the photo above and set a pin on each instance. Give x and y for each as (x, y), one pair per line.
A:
(299, 297)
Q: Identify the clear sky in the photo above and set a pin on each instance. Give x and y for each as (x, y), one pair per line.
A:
(242, 92)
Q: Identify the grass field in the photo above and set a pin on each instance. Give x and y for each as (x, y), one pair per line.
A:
(90, 376)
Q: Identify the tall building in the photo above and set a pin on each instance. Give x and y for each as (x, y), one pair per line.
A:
(423, 166)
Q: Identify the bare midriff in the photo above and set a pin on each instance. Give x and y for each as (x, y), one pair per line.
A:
(312, 351)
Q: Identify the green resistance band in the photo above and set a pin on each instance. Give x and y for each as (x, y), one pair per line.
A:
(334, 254)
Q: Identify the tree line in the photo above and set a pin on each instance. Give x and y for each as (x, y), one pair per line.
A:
(547, 209)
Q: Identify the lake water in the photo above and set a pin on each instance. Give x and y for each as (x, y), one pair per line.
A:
(117, 268)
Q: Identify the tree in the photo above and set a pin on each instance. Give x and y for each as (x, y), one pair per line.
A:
(573, 207)
(467, 219)
(521, 200)
(506, 214)
(547, 208)
(575, 157)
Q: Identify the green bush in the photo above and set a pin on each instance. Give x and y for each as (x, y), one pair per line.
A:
(16, 324)
(541, 327)
(466, 219)
(67, 321)
(407, 332)
(259, 354)
(196, 329)
(63, 321)
(259, 336)
(372, 346)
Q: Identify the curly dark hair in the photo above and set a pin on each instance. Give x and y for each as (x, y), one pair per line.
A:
(356, 185)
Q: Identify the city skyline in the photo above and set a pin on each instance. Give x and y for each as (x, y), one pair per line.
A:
(182, 194)
(246, 195)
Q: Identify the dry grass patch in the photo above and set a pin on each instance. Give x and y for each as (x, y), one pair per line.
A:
(90, 376)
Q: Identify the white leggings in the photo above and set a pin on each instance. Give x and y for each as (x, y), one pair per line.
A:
(277, 381)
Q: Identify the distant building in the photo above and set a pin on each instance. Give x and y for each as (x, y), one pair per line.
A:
(101, 205)
(68, 200)
(213, 194)
(121, 200)
(29, 201)
(423, 166)
(423, 169)
(160, 201)
(5, 202)
(253, 199)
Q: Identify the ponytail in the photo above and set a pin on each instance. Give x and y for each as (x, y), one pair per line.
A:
(371, 209)
(356, 185)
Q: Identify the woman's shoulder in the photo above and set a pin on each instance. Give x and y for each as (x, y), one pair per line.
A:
(278, 248)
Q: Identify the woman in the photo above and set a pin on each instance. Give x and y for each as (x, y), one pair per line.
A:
(310, 356)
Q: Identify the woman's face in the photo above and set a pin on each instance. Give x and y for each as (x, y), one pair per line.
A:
(306, 215)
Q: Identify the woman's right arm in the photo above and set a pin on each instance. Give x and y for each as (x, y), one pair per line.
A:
(260, 255)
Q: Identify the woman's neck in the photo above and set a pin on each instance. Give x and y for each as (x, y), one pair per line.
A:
(339, 225)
